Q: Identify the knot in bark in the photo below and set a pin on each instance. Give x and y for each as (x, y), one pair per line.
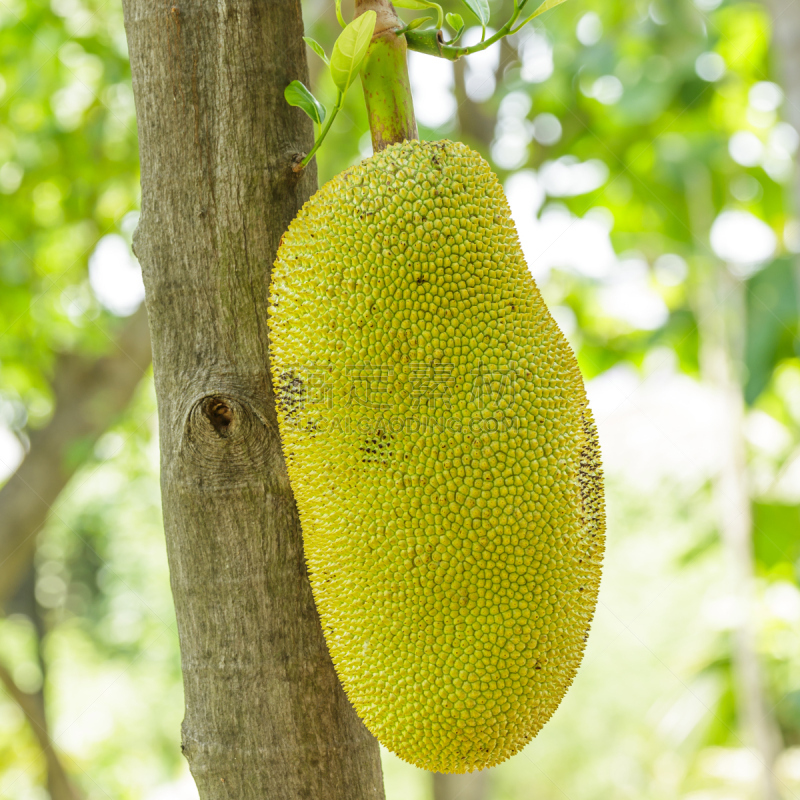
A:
(227, 441)
(220, 414)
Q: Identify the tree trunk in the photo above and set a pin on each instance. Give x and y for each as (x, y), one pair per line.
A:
(475, 126)
(720, 357)
(265, 714)
(786, 34)
(719, 310)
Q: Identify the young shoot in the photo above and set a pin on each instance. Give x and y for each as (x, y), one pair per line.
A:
(347, 58)
(352, 48)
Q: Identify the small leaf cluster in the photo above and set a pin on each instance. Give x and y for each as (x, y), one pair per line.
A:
(431, 41)
(350, 49)
(347, 59)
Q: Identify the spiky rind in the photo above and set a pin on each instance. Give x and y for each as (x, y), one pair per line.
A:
(442, 454)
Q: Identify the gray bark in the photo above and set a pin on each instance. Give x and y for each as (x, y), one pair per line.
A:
(265, 714)
(88, 394)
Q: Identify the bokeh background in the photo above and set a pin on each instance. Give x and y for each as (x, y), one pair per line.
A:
(648, 153)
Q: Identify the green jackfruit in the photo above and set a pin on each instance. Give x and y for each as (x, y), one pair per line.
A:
(442, 454)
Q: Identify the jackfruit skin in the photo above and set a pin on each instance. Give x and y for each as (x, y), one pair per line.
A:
(442, 454)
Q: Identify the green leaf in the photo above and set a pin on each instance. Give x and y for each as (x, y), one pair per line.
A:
(480, 8)
(317, 48)
(350, 50)
(298, 95)
(771, 318)
(546, 6)
(775, 539)
(339, 13)
(415, 23)
(422, 5)
(455, 21)
(413, 5)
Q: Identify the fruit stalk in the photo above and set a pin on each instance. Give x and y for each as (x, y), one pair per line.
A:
(387, 89)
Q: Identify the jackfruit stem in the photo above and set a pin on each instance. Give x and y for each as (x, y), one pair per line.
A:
(387, 89)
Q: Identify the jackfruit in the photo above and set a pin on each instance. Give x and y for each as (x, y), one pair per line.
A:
(442, 454)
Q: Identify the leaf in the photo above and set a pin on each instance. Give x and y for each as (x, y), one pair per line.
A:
(317, 48)
(415, 23)
(339, 13)
(298, 95)
(422, 5)
(772, 310)
(775, 538)
(413, 5)
(350, 50)
(480, 8)
(455, 21)
(546, 6)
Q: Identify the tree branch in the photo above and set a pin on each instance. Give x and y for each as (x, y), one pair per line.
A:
(32, 705)
(89, 394)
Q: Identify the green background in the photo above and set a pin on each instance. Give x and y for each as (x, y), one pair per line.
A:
(648, 106)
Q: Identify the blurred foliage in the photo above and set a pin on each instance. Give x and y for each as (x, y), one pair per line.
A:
(634, 126)
(68, 176)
